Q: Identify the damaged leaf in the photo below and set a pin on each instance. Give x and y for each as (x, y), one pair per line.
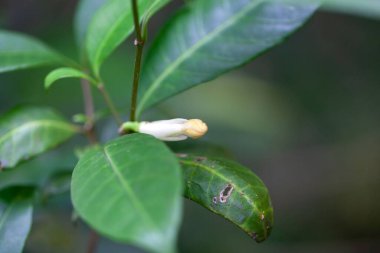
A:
(230, 190)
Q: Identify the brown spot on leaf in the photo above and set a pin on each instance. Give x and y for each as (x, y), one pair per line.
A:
(215, 200)
(182, 155)
(225, 193)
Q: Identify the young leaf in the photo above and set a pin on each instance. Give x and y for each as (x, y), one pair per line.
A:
(230, 190)
(211, 37)
(66, 73)
(19, 51)
(29, 131)
(111, 26)
(15, 218)
(130, 190)
(85, 12)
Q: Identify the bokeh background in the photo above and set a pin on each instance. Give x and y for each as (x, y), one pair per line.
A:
(305, 117)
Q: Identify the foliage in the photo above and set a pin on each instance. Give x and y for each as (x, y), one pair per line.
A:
(130, 188)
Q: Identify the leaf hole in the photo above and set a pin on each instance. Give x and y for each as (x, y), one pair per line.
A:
(225, 193)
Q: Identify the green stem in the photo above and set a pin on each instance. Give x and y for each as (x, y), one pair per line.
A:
(139, 43)
(110, 104)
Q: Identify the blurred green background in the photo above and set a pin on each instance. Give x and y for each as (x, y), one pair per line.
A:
(305, 117)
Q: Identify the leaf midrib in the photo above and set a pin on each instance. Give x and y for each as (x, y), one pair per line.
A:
(128, 190)
(187, 54)
(53, 123)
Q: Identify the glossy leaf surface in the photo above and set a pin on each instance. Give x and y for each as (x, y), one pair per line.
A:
(130, 190)
(61, 73)
(230, 190)
(111, 25)
(28, 131)
(211, 37)
(19, 51)
(15, 219)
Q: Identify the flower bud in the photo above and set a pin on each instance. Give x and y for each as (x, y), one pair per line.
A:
(195, 128)
(168, 130)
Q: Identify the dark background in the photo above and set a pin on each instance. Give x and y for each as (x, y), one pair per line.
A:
(305, 117)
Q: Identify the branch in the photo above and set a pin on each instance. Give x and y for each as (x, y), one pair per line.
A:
(93, 242)
(89, 111)
(139, 43)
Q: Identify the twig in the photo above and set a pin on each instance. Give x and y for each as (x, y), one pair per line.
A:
(91, 136)
(92, 242)
(139, 43)
(89, 111)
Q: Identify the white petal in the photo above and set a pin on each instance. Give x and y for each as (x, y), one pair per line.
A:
(160, 129)
(174, 138)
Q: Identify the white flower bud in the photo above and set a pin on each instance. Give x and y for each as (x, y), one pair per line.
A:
(169, 130)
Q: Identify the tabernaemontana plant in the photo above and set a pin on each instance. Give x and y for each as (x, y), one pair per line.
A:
(130, 189)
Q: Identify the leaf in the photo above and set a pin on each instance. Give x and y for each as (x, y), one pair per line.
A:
(85, 12)
(15, 219)
(19, 51)
(111, 26)
(29, 131)
(211, 37)
(66, 73)
(230, 190)
(130, 190)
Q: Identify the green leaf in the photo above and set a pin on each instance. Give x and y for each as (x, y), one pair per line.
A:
(211, 37)
(66, 73)
(130, 190)
(15, 219)
(230, 190)
(29, 131)
(111, 26)
(85, 12)
(19, 51)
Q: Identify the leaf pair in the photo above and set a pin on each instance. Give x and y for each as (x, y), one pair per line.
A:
(130, 190)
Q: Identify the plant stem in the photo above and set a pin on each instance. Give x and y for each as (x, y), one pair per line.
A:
(89, 111)
(139, 43)
(89, 128)
(110, 104)
(93, 242)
